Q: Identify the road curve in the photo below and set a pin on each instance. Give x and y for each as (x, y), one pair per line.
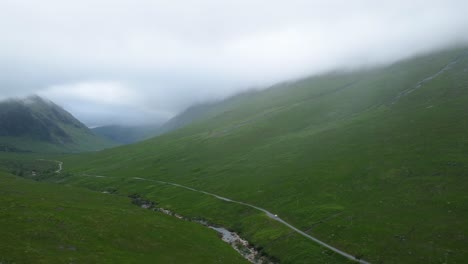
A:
(269, 214)
(59, 163)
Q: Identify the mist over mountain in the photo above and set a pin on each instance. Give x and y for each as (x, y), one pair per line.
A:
(36, 124)
(359, 160)
(133, 63)
(246, 131)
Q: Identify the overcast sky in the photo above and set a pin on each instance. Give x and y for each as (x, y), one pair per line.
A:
(134, 61)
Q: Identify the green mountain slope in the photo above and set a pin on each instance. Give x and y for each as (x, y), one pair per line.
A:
(193, 114)
(198, 113)
(46, 223)
(373, 162)
(39, 125)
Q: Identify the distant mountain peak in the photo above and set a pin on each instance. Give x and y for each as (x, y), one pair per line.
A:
(34, 118)
(36, 99)
(32, 99)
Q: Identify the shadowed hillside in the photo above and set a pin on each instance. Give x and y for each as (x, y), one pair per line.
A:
(39, 125)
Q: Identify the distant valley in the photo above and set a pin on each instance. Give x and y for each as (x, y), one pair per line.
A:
(366, 166)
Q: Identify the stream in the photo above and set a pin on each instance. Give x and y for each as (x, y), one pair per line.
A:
(242, 246)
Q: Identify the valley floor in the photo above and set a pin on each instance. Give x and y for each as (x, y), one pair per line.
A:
(47, 223)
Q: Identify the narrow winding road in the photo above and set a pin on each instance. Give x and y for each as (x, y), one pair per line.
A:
(268, 213)
(59, 163)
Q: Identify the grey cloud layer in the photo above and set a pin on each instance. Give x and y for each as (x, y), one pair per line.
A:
(166, 55)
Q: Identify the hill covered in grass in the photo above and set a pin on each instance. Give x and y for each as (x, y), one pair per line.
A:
(38, 125)
(193, 114)
(373, 162)
(46, 223)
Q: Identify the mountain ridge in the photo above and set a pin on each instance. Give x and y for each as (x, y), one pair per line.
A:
(35, 124)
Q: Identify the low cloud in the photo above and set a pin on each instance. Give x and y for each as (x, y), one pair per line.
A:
(129, 62)
(98, 92)
(96, 101)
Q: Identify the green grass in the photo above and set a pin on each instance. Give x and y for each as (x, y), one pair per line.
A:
(48, 223)
(82, 142)
(340, 156)
(25, 144)
(269, 236)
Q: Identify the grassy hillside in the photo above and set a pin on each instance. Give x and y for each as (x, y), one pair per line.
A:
(373, 162)
(197, 113)
(46, 223)
(193, 114)
(34, 124)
